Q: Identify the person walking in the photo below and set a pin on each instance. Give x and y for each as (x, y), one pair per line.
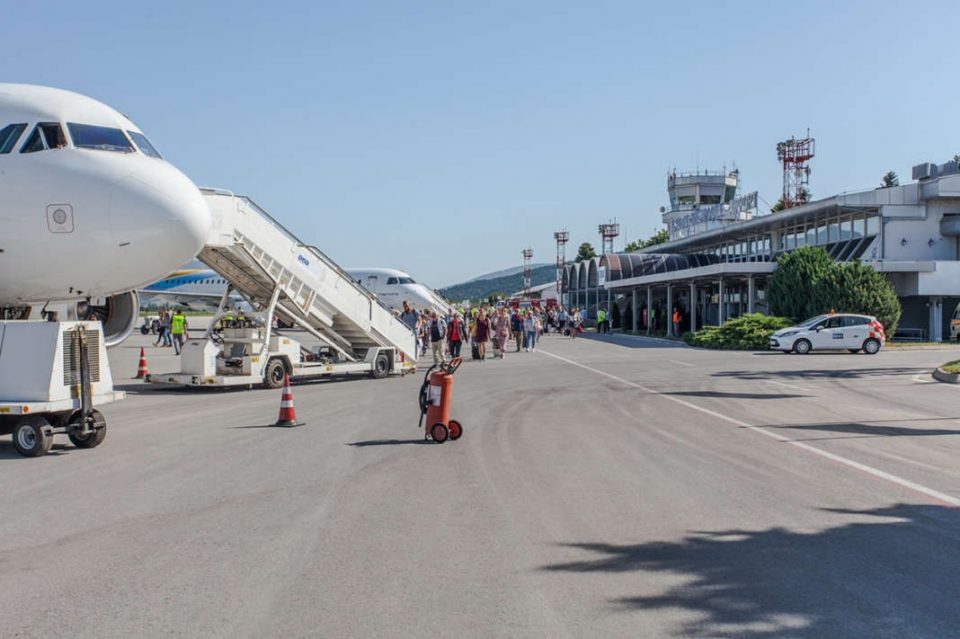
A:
(601, 321)
(162, 328)
(456, 330)
(676, 322)
(178, 328)
(482, 334)
(503, 331)
(437, 332)
(516, 325)
(530, 332)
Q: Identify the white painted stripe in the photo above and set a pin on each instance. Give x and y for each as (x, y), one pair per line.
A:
(677, 361)
(870, 470)
(286, 404)
(790, 386)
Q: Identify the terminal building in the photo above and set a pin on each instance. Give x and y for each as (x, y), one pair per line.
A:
(721, 252)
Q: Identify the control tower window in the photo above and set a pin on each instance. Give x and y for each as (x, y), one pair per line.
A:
(46, 135)
(100, 138)
(144, 144)
(709, 199)
(9, 136)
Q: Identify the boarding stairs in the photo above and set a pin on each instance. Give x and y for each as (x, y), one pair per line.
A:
(262, 260)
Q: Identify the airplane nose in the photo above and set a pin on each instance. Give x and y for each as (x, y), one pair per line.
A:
(160, 211)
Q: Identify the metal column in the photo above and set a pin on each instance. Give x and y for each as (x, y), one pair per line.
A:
(669, 311)
(936, 319)
(751, 293)
(649, 307)
(635, 311)
(693, 307)
(720, 309)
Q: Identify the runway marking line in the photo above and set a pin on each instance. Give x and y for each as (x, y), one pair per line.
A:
(790, 386)
(870, 470)
(677, 361)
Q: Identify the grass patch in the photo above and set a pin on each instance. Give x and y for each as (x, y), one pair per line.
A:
(952, 367)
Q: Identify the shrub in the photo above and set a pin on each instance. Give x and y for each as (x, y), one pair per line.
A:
(749, 332)
(793, 286)
(852, 287)
(808, 282)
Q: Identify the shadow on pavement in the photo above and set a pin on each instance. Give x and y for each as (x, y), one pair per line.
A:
(868, 429)
(891, 572)
(836, 373)
(388, 442)
(9, 452)
(633, 341)
(723, 395)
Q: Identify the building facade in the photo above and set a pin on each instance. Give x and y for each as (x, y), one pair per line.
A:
(910, 233)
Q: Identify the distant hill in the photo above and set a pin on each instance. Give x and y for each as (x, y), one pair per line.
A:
(504, 273)
(498, 282)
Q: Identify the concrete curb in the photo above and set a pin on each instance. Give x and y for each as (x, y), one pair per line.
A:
(947, 378)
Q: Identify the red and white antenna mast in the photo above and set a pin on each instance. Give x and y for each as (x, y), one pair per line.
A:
(794, 156)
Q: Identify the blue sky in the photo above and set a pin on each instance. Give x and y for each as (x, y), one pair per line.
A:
(445, 137)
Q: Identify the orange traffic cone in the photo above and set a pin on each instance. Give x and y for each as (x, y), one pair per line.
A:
(142, 371)
(288, 416)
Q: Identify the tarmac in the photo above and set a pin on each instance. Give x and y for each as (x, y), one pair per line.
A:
(604, 487)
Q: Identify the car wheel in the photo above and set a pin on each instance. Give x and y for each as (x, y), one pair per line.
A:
(871, 346)
(802, 346)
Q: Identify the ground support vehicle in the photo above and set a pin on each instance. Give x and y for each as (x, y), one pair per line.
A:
(285, 280)
(52, 375)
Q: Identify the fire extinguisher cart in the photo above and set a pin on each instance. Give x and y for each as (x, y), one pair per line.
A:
(436, 395)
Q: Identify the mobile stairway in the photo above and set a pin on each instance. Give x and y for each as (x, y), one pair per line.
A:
(284, 279)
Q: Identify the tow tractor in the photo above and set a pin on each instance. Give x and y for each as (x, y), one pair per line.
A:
(52, 374)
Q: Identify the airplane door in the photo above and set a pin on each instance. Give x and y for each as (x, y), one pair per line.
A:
(371, 283)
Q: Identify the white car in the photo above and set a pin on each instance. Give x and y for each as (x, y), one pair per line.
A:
(831, 332)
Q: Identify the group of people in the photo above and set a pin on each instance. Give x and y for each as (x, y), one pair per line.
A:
(444, 335)
(171, 329)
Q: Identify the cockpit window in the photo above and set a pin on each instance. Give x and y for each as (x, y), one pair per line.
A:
(144, 144)
(101, 138)
(407, 280)
(46, 135)
(9, 136)
(392, 280)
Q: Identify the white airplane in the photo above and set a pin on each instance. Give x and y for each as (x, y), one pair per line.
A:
(89, 210)
(393, 287)
(193, 288)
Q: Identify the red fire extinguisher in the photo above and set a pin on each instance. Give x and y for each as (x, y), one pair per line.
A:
(436, 394)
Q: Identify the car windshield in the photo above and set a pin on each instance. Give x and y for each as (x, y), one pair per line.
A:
(812, 321)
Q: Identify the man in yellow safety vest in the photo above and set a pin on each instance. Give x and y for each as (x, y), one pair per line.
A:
(178, 328)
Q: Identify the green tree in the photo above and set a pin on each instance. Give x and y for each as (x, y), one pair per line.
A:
(890, 179)
(659, 237)
(853, 287)
(792, 286)
(803, 195)
(585, 252)
(956, 158)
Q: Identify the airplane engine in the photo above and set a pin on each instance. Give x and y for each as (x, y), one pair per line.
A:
(118, 314)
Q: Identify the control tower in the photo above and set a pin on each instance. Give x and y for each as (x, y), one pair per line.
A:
(703, 201)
